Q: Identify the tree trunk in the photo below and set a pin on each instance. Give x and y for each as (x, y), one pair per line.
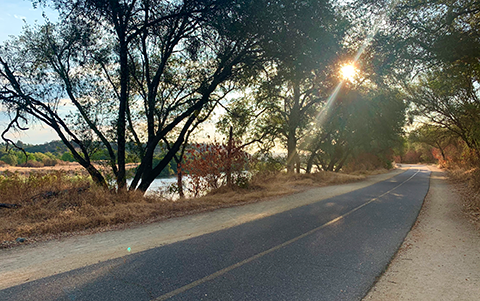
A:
(121, 122)
(442, 152)
(291, 151)
(310, 162)
(180, 180)
(297, 162)
(151, 175)
(293, 123)
(342, 162)
(96, 176)
(228, 169)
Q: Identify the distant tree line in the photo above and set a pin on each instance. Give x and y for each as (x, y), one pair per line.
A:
(55, 153)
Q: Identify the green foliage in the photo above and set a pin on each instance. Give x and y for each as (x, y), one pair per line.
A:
(10, 159)
(357, 123)
(449, 99)
(438, 42)
(268, 163)
(68, 157)
(102, 59)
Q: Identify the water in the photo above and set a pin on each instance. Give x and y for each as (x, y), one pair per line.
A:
(159, 184)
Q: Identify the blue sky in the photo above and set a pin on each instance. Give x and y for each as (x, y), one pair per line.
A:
(13, 16)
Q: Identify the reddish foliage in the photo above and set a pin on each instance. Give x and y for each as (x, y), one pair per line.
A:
(209, 165)
(458, 155)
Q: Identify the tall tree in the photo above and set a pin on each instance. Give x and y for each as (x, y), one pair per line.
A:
(433, 50)
(130, 70)
(305, 48)
(450, 99)
(360, 121)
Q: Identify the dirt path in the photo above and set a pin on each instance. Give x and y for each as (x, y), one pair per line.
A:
(440, 257)
(31, 262)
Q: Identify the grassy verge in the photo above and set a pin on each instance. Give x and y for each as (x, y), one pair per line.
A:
(468, 182)
(60, 203)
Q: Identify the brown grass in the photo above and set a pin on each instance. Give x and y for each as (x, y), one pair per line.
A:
(468, 183)
(72, 167)
(59, 202)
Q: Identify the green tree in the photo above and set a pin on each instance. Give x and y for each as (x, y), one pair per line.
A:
(131, 70)
(369, 121)
(450, 99)
(432, 48)
(68, 157)
(301, 76)
(10, 159)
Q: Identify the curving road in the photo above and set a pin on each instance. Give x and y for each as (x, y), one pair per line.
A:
(330, 250)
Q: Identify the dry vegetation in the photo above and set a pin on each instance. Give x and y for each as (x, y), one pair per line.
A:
(71, 167)
(59, 202)
(468, 183)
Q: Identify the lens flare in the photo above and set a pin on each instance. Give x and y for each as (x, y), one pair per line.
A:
(348, 72)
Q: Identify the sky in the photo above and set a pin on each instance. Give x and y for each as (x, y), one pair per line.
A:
(13, 16)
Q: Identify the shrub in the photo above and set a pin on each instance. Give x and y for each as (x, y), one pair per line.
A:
(267, 163)
(31, 163)
(50, 162)
(211, 165)
(10, 159)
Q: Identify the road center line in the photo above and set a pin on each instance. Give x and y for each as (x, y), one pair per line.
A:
(261, 254)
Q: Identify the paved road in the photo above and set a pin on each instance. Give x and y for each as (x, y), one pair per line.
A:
(330, 250)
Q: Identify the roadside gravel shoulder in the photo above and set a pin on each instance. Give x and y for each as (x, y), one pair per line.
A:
(31, 262)
(440, 257)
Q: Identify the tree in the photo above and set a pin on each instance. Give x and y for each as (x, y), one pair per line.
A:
(435, 136)
(10, 159)
(450, 99)
(300, 76)
(359, 121)
(140, 71)
(432, 49)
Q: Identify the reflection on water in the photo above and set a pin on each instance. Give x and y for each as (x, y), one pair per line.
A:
(161, 187)
(162, 183)
(159, 183)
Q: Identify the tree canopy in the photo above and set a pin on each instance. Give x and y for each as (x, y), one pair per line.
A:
(137, 78)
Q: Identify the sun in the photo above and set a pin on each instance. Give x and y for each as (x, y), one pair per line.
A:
(348, 72)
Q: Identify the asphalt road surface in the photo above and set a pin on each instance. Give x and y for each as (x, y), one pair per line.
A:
(330, 250)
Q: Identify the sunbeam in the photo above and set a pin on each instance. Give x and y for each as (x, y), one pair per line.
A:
(349, 71)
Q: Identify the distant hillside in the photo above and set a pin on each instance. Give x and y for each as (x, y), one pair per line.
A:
(49, 147)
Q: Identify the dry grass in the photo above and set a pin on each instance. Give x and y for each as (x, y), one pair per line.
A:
(71, 167)
(468, 184)
(59, 202)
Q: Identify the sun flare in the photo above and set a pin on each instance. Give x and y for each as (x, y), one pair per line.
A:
(348, 72)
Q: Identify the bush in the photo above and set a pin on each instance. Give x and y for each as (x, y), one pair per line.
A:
(50, 162)
(267, 163)
(31, 163)
(68, 157)
(209, 164)
(10, 159)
